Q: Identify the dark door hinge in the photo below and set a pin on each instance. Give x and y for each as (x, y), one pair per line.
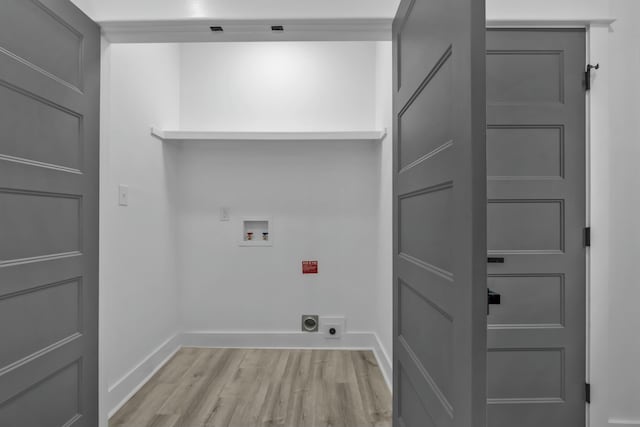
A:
(587, 75)
(587, 237)
(587, 392)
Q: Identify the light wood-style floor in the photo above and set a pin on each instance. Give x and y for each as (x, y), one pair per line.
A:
(256, 388)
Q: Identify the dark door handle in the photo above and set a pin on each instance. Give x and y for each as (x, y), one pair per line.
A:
(493, 298)
(495, 260)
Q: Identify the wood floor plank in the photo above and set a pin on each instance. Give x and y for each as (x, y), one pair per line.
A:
(160, 420)
(188, 389)
(175, 369)
(143, 406)
(313, 400)
(267, 417)
(219, 375)
(247, 388)
(375, 395)
(296, 415)
(262, 388)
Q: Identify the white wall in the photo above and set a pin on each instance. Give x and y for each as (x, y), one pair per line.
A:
(323, 201)
(323, 197)
(384, 120)
(547, 9)
(278, 86)
(138, 281)
(624, 284)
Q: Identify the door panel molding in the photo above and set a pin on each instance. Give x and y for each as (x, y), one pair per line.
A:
(439, 214)
(536, 359)
(49, 233)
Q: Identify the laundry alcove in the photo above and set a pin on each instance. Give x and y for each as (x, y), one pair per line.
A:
(293, 133)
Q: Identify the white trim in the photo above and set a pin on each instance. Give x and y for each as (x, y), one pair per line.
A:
(123, 389)
(548, 23)
(598, 187)
(384, 361)
(202, 135)
(105, 122)
(198, 30)
(300, 340)
(624, 423)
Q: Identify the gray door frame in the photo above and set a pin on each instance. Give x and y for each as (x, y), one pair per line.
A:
(597, 182)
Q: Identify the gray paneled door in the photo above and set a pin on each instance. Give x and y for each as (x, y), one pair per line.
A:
(536, 217)
(440, 282)
(49, 107)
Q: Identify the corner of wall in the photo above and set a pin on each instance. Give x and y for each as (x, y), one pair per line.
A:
(121, 391)
(137, 282)
(384, 120)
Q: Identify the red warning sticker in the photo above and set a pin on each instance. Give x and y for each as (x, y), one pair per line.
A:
(309, 267)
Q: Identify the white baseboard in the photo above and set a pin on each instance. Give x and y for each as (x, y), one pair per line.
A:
(128, 385)
(215, 339)
(120, 392)
(624, 423)
(384, 361)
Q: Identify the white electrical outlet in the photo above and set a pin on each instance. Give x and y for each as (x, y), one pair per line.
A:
(123, 195)
(332, 327)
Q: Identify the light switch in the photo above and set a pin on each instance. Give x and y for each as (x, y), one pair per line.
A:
(123, 195)
(224, 214)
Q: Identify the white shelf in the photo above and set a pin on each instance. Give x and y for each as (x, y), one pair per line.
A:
(185, 135)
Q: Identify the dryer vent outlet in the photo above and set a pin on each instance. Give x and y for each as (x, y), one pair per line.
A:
(309, 323)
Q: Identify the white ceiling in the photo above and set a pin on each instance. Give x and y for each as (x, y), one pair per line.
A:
(140, 10)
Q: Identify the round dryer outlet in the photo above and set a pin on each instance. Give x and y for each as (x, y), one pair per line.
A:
(309, 323)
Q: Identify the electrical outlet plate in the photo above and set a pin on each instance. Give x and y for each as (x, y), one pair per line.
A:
(123, 195)
(332, 327)
(224, 214)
